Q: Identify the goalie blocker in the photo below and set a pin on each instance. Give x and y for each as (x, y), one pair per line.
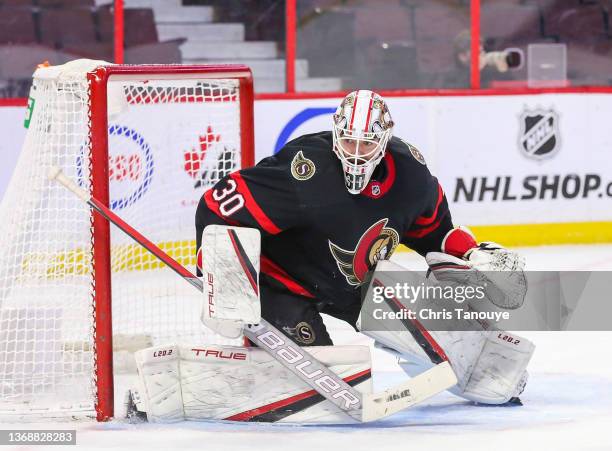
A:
(229, 261)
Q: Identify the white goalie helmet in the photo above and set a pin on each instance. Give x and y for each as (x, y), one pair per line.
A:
(362, 128)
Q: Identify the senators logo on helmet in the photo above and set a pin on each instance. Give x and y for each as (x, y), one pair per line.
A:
(377, 243)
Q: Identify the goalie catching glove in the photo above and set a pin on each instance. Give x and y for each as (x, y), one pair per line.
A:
(462, 260)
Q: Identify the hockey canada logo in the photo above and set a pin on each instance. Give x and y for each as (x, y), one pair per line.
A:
(301, 167)
(377, 243)
(539, 135)
(210, 160)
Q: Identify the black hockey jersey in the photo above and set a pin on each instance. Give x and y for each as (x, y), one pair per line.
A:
(318, 240)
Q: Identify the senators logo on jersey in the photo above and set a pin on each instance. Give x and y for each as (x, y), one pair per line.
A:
(377, 243)
(302, 168)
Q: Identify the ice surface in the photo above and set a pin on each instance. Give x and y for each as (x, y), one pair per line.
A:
(567, 402)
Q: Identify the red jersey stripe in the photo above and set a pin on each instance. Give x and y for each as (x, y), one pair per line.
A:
(422, 232)
(211, 203)
(258, 214)
(214, 207)
(425, 220)
(271, 269)
(388, 182)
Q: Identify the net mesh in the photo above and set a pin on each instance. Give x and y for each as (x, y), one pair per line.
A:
(169, 140)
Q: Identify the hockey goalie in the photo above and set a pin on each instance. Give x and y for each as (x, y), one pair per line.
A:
(298, 235)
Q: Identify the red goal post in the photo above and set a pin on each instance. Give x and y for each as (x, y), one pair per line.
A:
(98, 80)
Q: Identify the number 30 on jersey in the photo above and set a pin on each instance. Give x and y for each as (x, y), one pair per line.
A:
(230, 201)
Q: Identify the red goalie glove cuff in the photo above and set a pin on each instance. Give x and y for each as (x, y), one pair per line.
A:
(458, 242)
(199, 259)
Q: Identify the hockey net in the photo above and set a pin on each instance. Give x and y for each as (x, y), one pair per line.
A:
(155, 138)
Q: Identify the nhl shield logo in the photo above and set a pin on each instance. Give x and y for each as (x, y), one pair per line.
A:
(539, 135)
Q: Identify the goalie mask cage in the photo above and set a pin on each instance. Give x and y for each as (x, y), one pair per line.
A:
(146, 141)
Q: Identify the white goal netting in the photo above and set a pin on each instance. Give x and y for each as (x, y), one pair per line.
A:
(169, 139)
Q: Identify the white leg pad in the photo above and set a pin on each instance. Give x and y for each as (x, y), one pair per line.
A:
(489, 365)
(218, 382)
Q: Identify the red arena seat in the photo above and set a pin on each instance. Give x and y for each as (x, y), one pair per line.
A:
(65, 4)
(16, 26)
(139, 26)
(65, 27)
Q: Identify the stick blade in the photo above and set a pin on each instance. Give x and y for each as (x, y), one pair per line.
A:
(408, 394)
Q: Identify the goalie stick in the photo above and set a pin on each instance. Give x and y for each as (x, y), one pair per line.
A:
(361, 407)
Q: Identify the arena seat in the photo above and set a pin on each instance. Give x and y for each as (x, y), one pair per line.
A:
(16, 26)
(577, 24)
(505, 23)
(18, 3)
(433, 21)
(67, 27)
(91, 50)
(436, 27)
(590, 62)
(18, 61)
(391, 22)
(435, 56)
(159, 53)
(139, 26)
(329, 44)
(401, 69)
(106, 23)
(66, 4)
